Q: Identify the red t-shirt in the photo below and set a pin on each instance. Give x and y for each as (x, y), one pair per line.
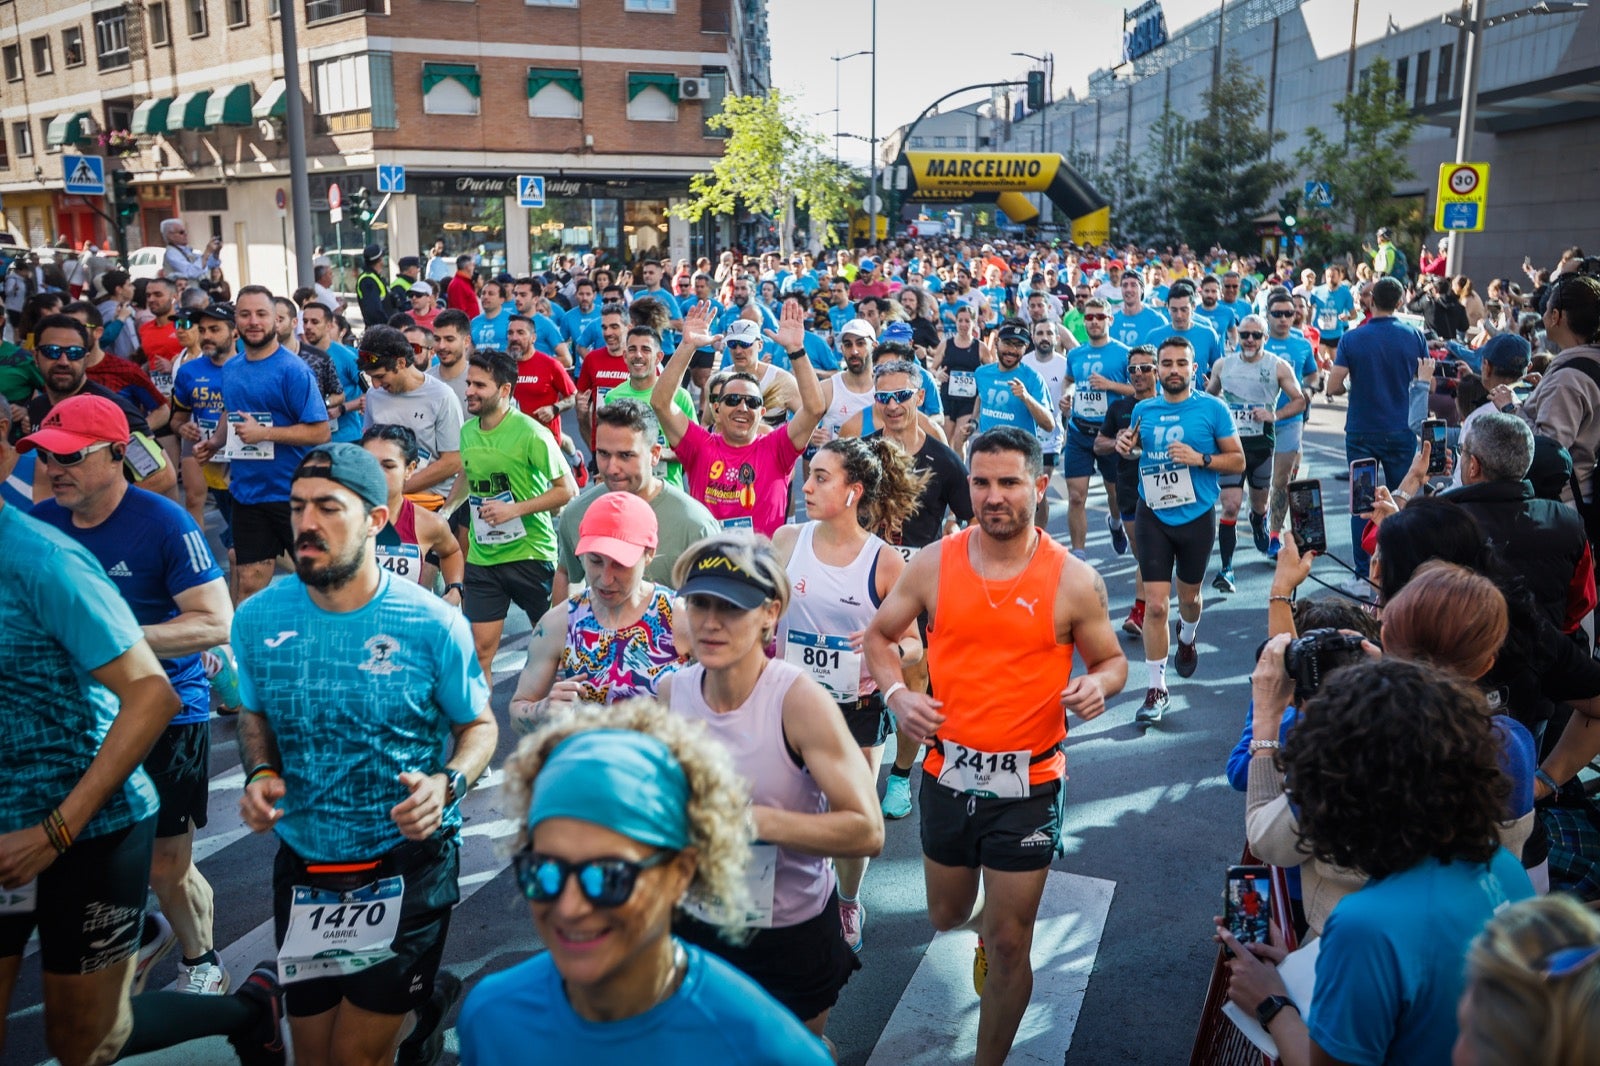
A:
(541, 381)
(860, 290)
(130, 381)
(462, 296)
(602, 371)
(158, 341)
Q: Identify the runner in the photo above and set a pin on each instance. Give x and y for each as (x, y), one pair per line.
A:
(993, 778)
(742, 478)
(1051, 366)
(366, 722)
(1249, 382)
(1133, 321)
(1283, 342)
(415, 535)
(848, 392)
(405, 396)
(603, 369)
(840, 573)
(1096, 369)
(954, 363)
(613, 640)
(643, 353)
(1010, 394)
(811, 794)
(1187, 440)
(1119, 416)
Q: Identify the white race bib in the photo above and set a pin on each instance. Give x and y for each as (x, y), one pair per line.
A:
(1327, 320)
(742, 522)
(487, 533)
(1089, 404)
(1243, 423)
(19, 900)
(963, 383)
(993, 774)
(340, 933)
(240, 451)
(404, 561)
(761, 880)
(163, 382)
(1167, 485)
(907, 552)
(829, 660)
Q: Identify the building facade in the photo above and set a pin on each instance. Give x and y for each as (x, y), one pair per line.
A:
(607, 100)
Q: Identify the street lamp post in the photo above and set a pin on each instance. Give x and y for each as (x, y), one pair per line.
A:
(1048, 62)
(836, 99)
(872, 195)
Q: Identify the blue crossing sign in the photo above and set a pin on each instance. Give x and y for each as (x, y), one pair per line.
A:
(84, 175)
(392, 178)
(1319, 194)
(530, 190)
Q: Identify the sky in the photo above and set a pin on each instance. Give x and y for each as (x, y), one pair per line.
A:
(928, 47)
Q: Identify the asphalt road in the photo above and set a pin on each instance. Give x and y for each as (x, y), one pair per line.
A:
(1148, 812)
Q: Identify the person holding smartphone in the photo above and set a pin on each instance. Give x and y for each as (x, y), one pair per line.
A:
(182, 261)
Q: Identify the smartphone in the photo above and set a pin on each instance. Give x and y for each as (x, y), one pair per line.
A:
(1433, 431)
(1305, 516)
(1363, 485)
(1247, 903)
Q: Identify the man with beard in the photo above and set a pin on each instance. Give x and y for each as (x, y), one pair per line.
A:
(344, 410)
(1213, 310)
(274, 413)
(1010, 394)
(849, 392)
(514, 479)
(158, 337)
(1188, 440)
(743, 297)
(198, 407)
(643, 354)
(452, 343)
(1003, 600)
(581, 318)
(1051, 366)
(525, 292)
(1285, 342)
(1198, 332)
(402, 395)
(286, 317)
(604, 368)
(1134, 321)
(366, 723)
(544, 389)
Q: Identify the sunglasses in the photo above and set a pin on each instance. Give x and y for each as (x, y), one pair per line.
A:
(1095, 318)
(1281, 314)
(1251, 334)
(183, 321)
(741, 345)
(735, 399)
(70, 458)
(420, 295)
(1145, 368)
(894, 396)
(72, 352)
(1567, 961)
(603, 882)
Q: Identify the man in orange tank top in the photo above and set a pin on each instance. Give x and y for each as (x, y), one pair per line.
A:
(1007, 606)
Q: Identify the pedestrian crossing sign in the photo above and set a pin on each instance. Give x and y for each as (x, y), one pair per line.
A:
(530, 190)
(1318, 194)
(83, 175)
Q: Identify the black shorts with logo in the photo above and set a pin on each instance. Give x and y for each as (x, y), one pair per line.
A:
(1014, 835)
(431, 869)
(491, 590)
(180, 765)
(261, 531)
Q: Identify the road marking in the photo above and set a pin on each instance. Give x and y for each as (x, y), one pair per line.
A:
(936, 1020)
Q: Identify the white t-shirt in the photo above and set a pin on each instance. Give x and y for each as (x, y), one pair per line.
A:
(1054, 373)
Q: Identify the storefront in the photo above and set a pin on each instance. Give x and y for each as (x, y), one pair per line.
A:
(78, 221)
(31, 215)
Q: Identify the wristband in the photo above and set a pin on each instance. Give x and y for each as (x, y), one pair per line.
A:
(263, 770)
(1263, 745)
(896, 687)
(456, 585)
(1549, 782)
(56, 831)
(1281, 599)
(798, 353)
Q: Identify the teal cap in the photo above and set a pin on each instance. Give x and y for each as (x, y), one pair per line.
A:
(625, 781)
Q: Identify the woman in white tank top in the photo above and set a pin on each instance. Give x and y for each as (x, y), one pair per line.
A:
(811, 795)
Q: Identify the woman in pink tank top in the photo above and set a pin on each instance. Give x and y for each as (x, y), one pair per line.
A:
(811, 794)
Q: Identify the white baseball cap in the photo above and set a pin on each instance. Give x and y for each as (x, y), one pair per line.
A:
(859, 327)
(742, 331)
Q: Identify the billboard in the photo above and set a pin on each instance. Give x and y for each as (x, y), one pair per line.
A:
(1144, 29)
(1001, 178)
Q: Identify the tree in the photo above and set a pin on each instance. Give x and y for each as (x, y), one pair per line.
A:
(1363, 166)
(1148, 216)
(770, 157)
(1228, 172)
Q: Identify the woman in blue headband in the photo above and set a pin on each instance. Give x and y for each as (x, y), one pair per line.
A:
(630, 811)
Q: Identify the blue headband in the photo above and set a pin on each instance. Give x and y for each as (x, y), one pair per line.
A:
(625, 781)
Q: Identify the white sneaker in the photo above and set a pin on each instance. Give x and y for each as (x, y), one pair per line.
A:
(155, 951)
(1359, 587)
(852, 916)
(205, 979)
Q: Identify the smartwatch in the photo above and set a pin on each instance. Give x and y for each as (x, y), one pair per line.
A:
(458, 586)
(458, 787)
(1268, 1009)
(1205, 460)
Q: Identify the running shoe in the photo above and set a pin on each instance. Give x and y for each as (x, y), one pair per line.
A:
(203, 979)
(1079, 553)
(1133, 625)
(897, 797)
(852, 917)
(1188, 657)
(1357, 586)
(155, 944)
(980, 967)
(1119, 536)
(425, 1045)
(1155, 705)
(262, 1043)
(1223, 582)
(1274, 545)
(1258, 531)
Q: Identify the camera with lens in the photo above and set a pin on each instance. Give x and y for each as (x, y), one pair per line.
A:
(1315, 654)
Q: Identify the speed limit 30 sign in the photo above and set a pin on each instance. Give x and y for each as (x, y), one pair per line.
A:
(1462, 197)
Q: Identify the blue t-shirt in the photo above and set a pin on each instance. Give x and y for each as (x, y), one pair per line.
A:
(838, 316)
(998, 406)
(1302, 359)
(546, 334)
(197, 388)
(717, 1015)
(576, 322)
(1200, 422)
(996, 296)
(355, 699)
(348, 429)
(1330, 306)
(1238, 309)
(283, 388)
(151, 550)
(732, 312)
(1110, 360)
(1131, 330)
(60, 619)
(1221, 317)
(822, 357)
(491, 332)
(1381, 356)
(1200, 335)
(1391, 971)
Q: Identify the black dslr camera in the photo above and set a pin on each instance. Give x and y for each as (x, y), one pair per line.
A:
(1314, 655)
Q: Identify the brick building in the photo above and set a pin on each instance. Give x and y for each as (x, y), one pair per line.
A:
(607, 99)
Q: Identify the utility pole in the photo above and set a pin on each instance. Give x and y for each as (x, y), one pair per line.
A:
(872, 132)
(295, 132)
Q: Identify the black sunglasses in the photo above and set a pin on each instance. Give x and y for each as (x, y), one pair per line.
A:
(603, 882)
(734, 399)
(72, 352)
(1251, 334)
(1281, 314)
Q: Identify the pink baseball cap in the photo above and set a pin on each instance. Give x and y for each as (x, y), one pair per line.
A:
(618, 525)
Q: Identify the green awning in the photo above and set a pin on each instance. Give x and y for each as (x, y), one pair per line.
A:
(231, 106)
(150, 117)
(274, 103)
(68, 128)
(569, 80)
(188, 111)
(465, 73)
(667, 83)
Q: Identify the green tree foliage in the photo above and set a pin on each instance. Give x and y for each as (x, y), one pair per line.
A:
(1227, 174)
(1149, 218)
(770, 156)
(1363, 165)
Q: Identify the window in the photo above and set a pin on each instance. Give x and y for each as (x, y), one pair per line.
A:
(238, 13)
(199, 24)
(44, 135)
(554, 93)
(551, 3)
(22, 136)
(1420, 96)
(652, 97)
(717, 82)
(322, 10)
(5, 156)
(72, 47)
(160, 31)
(1445, 88)
(961, 141)
(119, 115)
(12, 56)
(343, 93)
(41, 56)
(111, 38)
(450, 88)
(1402, 77)
(917, 142)
(665, 7)
(938, 142)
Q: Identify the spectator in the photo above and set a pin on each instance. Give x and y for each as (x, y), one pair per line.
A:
(182, 261)
(322, 286)
(462, 292)
(1563, 405)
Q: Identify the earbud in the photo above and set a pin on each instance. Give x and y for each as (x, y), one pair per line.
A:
(850, 498)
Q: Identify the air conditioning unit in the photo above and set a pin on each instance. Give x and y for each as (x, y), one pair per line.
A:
(694, 88)
(269, 129)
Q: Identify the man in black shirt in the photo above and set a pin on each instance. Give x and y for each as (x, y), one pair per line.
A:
(1119, 416)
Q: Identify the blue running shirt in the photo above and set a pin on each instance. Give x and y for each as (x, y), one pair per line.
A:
(998, 406)
(1110, 360)
(1130, 330)
(1200, 422)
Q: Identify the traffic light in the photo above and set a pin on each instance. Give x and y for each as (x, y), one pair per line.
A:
(1288, 204)
(1035, 90)
(361, 207)
(124, 202)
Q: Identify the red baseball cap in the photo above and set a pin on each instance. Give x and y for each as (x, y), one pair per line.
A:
(77, 422)
(618, 525)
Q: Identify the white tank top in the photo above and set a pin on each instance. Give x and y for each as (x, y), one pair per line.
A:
(798, 886)
(829, 602)
(1254, 383)
(844, 405)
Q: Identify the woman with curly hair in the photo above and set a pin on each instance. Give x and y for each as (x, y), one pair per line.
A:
(627, 812)
(1396, 772)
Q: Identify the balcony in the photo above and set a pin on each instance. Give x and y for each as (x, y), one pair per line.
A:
(328, 10)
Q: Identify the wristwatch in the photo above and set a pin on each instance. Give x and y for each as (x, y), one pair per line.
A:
(458, 586)
(1205, 460)
(1268, 1009)
(457, 790)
